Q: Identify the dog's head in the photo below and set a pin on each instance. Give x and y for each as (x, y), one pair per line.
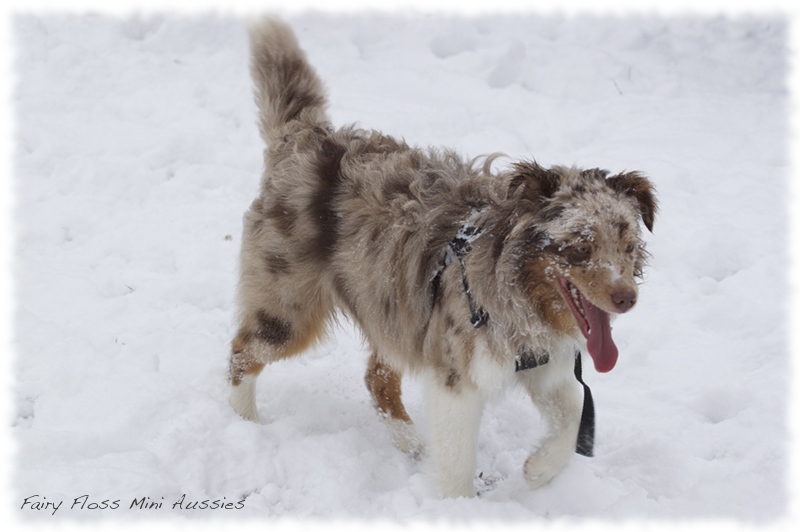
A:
(578, 247)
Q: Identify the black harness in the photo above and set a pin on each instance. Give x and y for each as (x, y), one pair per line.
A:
(526, 359)
(458, 249)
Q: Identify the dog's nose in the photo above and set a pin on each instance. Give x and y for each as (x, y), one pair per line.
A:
(624, 299)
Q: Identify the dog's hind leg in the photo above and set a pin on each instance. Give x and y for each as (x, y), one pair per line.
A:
(560, 405)
(384, 384)
(244, 370)
(264, 338)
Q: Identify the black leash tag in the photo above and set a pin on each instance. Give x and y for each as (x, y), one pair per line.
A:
(585, 445)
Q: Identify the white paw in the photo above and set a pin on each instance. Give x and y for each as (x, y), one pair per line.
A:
(405, 437)
(243, 398)
(541, 468)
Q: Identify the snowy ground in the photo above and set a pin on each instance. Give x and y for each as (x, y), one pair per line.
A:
(137, 153)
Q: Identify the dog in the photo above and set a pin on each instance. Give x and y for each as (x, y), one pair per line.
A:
(450, 269)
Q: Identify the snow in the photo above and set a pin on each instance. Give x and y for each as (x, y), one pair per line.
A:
(137, 152)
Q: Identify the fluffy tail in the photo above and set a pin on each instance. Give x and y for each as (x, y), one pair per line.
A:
(286, 86)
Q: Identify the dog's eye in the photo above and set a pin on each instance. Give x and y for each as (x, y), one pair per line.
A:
(579, 252)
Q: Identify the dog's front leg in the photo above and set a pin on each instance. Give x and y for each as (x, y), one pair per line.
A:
(560, 405)
(455, 419)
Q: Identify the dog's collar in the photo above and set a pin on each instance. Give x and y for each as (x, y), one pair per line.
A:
(458, 249)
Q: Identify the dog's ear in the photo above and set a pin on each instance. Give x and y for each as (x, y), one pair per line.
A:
(638, 187)
(533, 182)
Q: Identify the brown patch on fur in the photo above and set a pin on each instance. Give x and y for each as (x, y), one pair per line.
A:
(452, 379)
(388, 306)
(394, 189)
(321, 207)
(294, 101)
(277, 264)
(538, 182)
(637, 186)
(273, 330)
(622, 228)
(384, 384)
(283, 216)
(498, 243)
(544, 295)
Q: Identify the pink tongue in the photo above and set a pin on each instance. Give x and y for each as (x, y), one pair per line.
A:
(599, 342)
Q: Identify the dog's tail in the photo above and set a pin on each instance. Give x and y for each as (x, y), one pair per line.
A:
(286, 86)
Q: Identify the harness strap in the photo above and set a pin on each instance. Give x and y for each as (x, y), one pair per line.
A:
(458, 249)
(477, 316)
(527, 359)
